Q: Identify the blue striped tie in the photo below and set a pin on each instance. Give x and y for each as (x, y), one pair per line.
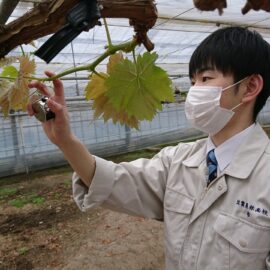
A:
(212, 166)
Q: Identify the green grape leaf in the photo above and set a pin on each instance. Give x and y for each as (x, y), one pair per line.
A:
(139, 88)
(96, 90)
(10, 71)
(113, 60)
(95, 86)
(4, 104)
(7, 60)
(19, 93)
(4, 101)
(104, 108)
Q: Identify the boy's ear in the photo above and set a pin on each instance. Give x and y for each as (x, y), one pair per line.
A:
(253, 86)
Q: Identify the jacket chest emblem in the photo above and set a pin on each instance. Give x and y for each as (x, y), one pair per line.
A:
(251, 208)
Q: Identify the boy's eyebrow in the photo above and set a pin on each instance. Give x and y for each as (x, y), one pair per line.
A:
(200, 70)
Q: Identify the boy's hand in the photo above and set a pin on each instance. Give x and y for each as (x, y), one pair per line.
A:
(57, 129)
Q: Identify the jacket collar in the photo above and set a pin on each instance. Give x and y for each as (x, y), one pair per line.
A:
(198, 155)
(245, 158)
(248, 154)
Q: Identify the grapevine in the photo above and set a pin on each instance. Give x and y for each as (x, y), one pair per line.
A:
(129, 91)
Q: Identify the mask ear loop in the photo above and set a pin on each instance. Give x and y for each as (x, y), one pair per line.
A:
(232, 109)
(237, 106)
(241, 103)
(234, 84)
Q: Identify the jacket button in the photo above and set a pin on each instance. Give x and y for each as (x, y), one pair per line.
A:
(220, 187)
(242, 243)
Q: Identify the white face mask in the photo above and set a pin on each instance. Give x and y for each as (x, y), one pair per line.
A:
(202, 108)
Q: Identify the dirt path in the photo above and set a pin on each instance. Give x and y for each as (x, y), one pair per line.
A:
(49, 232)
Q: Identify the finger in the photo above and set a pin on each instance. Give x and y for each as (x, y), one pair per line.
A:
(59, 110)
(30, 109)
(33, 99)
(41, 87)
(58, 85)
(56, 107)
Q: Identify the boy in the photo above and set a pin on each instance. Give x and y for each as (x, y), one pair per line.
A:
(213, 194)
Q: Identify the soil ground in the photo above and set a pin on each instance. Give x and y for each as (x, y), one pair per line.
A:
(42, 228)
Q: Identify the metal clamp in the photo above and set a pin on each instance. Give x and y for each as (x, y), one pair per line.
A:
(82, 17)
(42, 111)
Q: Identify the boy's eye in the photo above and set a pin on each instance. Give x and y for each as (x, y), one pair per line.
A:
(205, 78)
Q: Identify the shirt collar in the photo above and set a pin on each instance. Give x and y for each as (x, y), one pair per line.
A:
(226, 151)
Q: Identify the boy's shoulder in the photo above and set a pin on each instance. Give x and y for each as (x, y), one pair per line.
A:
(188, 148)
(193, 145)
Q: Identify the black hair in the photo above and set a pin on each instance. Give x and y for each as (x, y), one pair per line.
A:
(237, 51)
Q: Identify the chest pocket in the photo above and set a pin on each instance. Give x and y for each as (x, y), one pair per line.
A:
(177, 210)
(246, 244)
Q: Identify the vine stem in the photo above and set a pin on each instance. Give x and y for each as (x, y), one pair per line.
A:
(126, 47)
(23, 52)
(8, 78)
(134, 56)
(135, 61)
(98, 74)
(107, 33)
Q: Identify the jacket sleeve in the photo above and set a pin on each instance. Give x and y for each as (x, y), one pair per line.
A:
(135, 188)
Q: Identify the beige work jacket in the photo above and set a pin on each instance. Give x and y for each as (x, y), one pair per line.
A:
(220, 227)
